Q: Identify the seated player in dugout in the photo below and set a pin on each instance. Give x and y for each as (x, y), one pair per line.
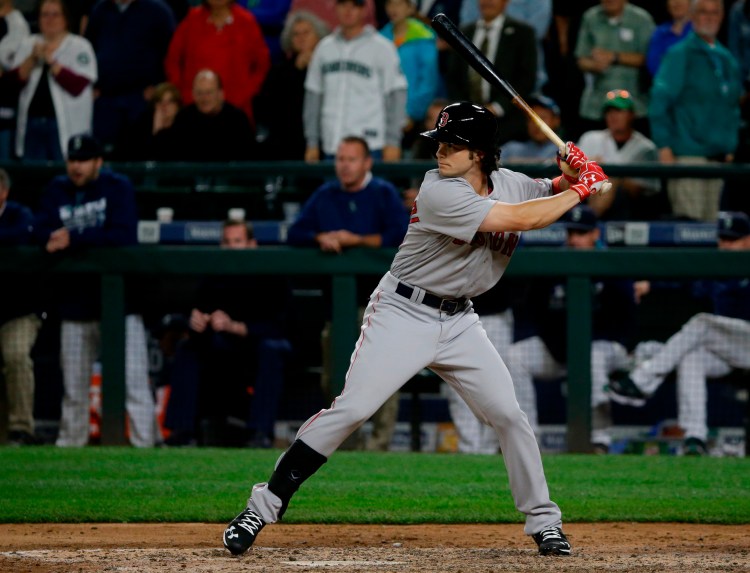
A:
(466, 223)
(234, 343)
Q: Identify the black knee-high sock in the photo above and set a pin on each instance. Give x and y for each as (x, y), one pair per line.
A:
(299, 462)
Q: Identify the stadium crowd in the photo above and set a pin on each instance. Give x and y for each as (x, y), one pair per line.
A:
(89, 82)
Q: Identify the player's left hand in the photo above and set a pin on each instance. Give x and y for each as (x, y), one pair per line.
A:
(572, 162)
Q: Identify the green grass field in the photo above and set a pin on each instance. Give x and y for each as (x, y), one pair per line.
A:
(101, 484)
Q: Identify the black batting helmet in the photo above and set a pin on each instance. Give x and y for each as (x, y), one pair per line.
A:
(465, 123)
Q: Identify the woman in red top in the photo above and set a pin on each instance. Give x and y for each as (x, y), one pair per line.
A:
(223, 37)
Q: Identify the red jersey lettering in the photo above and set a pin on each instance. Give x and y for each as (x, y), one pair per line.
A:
(413, 218)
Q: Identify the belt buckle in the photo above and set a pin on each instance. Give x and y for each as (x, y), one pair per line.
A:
(448, 306)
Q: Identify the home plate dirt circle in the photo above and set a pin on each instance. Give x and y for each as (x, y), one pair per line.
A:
(282, 548)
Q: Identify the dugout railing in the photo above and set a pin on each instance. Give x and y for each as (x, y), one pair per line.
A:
(114, 266)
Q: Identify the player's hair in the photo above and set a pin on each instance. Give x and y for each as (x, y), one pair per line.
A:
(320, 28)
(360, 140)
(237, 223)
(490, 160)
(4, 179)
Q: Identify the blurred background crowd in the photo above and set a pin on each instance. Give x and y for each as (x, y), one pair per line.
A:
(350, 83)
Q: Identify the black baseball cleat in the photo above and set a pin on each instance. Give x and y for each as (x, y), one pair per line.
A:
(552, 541)
(623, 390)
(241, 533)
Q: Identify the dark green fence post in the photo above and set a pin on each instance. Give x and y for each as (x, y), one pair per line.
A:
(113, 360)
(579, 364)
(343, 328)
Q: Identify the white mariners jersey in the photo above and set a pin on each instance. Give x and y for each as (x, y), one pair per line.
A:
(354, 76)
(74, 113)
(443, 252)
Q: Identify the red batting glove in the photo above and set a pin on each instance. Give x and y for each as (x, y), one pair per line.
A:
(592, 175)
(590, 180)
(573, 161)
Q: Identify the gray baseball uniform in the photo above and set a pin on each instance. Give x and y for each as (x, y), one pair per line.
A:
(407, 327)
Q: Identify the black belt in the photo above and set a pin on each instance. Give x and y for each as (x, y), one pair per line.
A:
(449, 306)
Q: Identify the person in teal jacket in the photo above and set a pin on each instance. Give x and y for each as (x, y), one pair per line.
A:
(417, 49)
(695, 110)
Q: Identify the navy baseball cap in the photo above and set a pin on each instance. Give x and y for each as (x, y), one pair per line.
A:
(542, 100)
(733, 225)
(83, 147)
(355, 2)
(579, 218)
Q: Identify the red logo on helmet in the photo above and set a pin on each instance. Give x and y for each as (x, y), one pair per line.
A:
(443, 121)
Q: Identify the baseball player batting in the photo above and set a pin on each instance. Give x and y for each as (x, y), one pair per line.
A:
(465, 225)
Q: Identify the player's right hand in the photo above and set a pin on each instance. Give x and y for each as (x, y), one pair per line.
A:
(590, 181)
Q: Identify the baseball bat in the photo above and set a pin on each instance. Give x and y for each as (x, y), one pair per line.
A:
(473, 56)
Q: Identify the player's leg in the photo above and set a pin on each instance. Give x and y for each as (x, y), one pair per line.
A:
(606, 357)
(528, 359)
(398, 338)
(472, 365)
(17, 337)
(79, 341)
(692, 394)
(474, 437)
(649, 375)
(139, 400)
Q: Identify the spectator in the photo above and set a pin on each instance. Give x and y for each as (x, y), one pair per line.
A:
(540, 350)
(219, 35)
(355, 210)
(424, 147)
(211, 129)
(669, 33)
(417, 50)
(151, 137)
(511, 46)
(611, 52)
(537, 148)
(19, 325)
(326, 10)
(694, 111)
(234, 343)
(91, 207)
(535, 13)
(130, 39)
(13, 29)
(57, 69)
(354, 86)
(283, 95)
(620, 144)
(709, 345)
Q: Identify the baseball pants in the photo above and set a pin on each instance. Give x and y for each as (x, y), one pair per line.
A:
(17, 338)
(400, 337)
(707, 346)
(80, 341)
(530, 358)
(474, 437)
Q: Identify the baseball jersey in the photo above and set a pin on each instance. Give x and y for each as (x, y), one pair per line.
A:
(73, 113)
(354, 76)
(443, 252)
